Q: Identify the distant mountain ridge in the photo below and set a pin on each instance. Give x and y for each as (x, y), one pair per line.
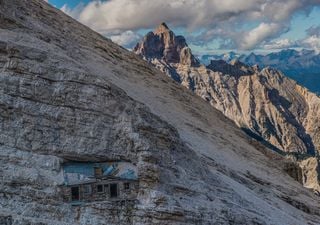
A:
(302, 66)
(228, 57)
(262, 101)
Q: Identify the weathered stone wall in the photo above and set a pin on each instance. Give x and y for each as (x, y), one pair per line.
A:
(94, 195)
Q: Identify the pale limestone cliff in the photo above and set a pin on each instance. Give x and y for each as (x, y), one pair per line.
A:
(67, 93)
(311, 173)
(264, 102)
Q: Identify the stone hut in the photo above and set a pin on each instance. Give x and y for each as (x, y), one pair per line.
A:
(89, 182)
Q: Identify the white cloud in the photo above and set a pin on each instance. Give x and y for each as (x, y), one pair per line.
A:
(280, 44)
(312, 42)
(126, 39)
(75, 12)
(132, 15)
(262, 32)
(281, 10)
(210, 15)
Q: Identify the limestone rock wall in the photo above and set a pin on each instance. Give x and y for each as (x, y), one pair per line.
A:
(311, 173)
(68, 93)
(262, 101)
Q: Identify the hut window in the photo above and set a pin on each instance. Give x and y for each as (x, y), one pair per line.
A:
(126, 186)
(106, 187)
(99, 188)
(113, 190)
(87, 189)
(98, 171)
(75, 194)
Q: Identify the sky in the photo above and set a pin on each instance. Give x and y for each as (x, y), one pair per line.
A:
(210, 26)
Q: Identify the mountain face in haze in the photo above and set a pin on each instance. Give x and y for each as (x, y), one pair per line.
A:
(69, 96)
(263, 102)
(228, 57)
(302, 66)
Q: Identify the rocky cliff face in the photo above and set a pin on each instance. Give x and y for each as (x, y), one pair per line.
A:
(69, 94)
(302, 66)
(264, 102)
(163, 44)
(311, 173)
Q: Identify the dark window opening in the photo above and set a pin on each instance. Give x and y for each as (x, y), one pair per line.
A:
(87, 189)
(75, 194)
(98, 171)
(100, 188)
(113, 190)
(126, 186)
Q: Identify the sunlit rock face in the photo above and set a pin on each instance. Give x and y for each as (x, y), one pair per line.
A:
(302, 66)
(163, 44)
(264, 102)
(69, 96)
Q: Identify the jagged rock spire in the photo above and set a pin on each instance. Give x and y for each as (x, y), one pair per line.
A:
(163, 27)
(165, 45)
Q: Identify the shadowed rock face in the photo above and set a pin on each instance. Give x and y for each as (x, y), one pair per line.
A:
(264, 102)
(68, 93)
(234, 68)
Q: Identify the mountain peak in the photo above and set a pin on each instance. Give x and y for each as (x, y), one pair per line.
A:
(163, 44)
(162, 28)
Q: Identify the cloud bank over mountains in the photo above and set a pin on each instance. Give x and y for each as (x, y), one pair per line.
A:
(313, 39)
(241, 25)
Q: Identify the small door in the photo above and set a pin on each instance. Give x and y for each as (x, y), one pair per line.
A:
(75, 194)
(100, 188)
(113, 190)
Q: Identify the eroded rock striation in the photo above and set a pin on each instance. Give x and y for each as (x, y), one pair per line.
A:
(70, 95)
